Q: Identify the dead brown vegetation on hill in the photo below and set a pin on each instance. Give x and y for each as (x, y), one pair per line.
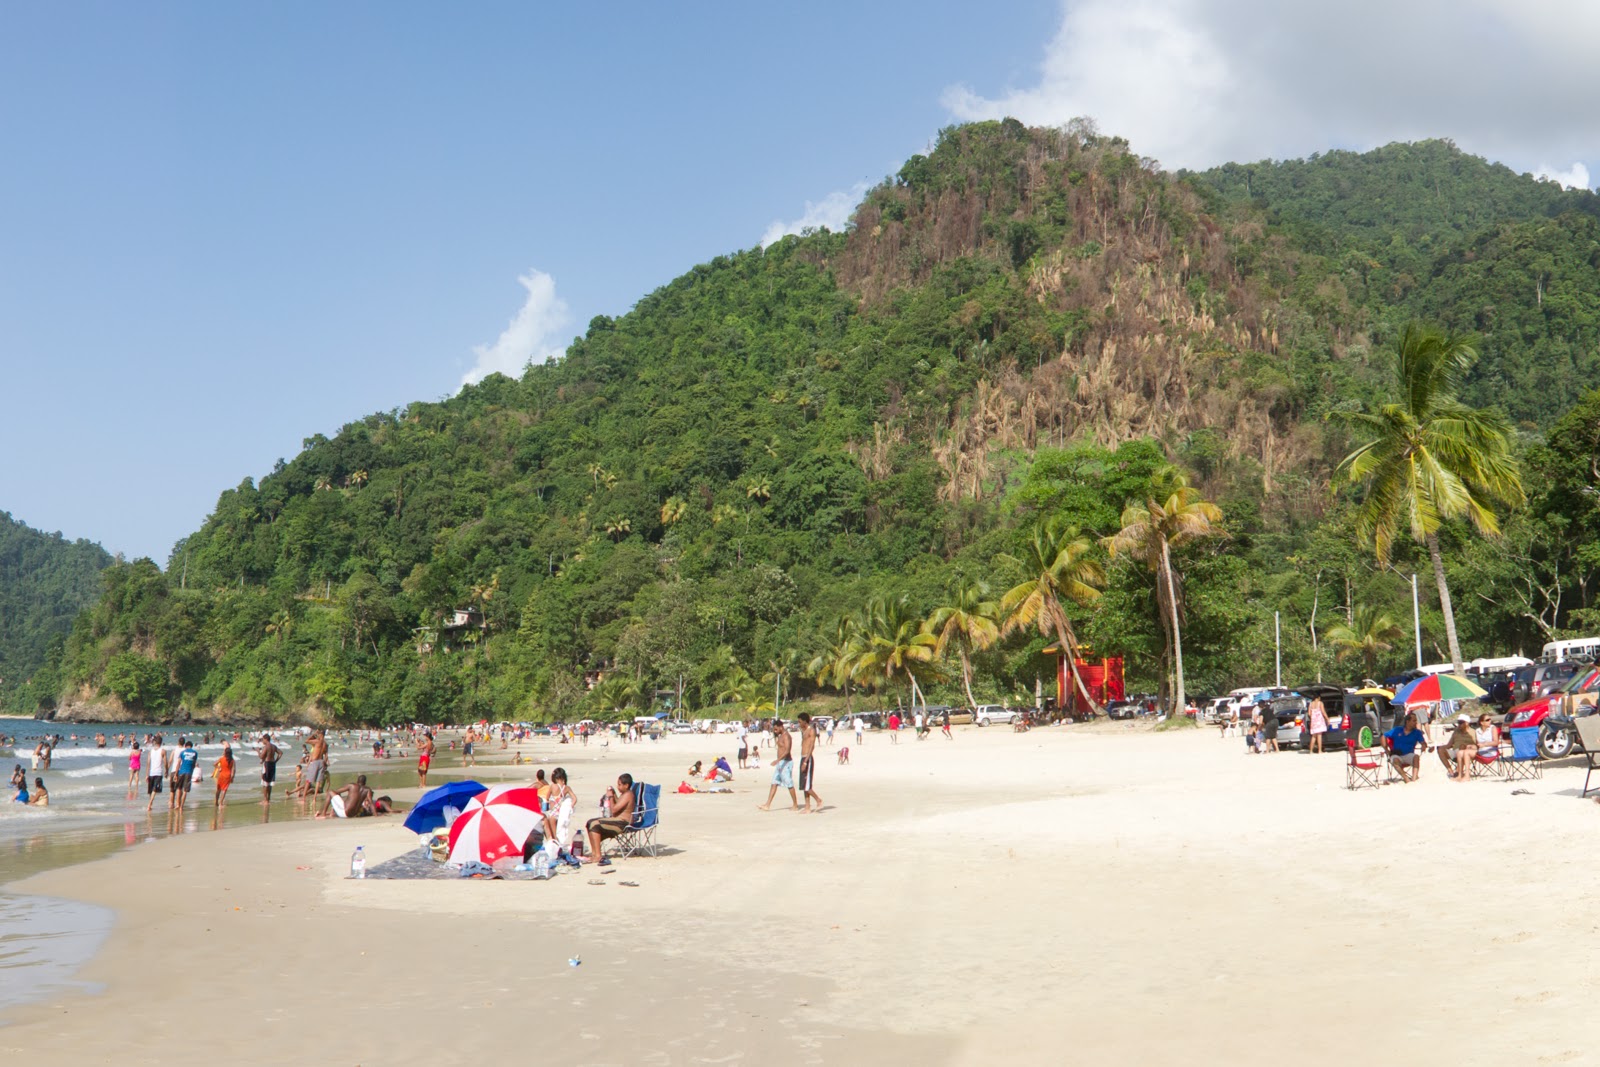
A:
(1163, 318)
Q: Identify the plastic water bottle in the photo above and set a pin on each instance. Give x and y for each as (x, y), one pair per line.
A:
(425, 845)
(541, 864)
(358, 863)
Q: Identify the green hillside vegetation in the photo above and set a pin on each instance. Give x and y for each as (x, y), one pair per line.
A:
(45, 581)
(774, 469)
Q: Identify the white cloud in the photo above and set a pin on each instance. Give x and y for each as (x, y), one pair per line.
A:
(533, 335)
(1574, 177)
(1194, 83)
(832, 212)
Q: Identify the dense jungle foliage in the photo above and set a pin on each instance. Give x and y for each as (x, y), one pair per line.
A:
(792, 452)
(45, 581)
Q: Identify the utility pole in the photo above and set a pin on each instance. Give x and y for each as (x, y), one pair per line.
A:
(1416, 620)
(1277, 645)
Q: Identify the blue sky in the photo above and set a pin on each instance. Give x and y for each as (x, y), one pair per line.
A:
(228, 227)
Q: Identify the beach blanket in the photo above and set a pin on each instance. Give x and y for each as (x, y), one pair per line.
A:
(413, 866)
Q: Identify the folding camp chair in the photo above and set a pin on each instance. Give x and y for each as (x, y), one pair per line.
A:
(640, 836)
(1520, 759)
(1363, 768)
(1486, 763)
(1589, 733)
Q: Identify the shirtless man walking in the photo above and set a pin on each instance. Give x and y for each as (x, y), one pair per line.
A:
(269, 754)
(782, 766)
(808, 765)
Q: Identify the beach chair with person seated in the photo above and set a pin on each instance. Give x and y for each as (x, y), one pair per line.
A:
(1364, 767)
(1588, 727)
(1520, 758)
(1486, 763)
(640, 836)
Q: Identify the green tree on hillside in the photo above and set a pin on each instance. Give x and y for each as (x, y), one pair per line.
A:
(1431, 458)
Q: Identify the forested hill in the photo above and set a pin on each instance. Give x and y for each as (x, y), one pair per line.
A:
(706, 492)
(1425, 230)
(45, 581)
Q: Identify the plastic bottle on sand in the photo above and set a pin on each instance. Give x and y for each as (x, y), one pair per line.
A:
(358, 863)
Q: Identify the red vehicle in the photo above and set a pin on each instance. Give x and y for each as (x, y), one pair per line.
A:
(1552, 714)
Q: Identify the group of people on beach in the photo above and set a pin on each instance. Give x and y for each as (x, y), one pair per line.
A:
(39, 798)
(174, 770)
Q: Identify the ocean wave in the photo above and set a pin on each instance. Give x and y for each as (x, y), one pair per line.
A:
(89, 772)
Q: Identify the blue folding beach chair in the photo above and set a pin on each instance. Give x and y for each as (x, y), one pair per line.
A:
(640, 836)
(1523, 759)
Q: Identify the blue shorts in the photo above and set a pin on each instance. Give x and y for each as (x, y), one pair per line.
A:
(783, 773)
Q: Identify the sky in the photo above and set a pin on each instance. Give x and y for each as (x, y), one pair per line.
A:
(227, 228)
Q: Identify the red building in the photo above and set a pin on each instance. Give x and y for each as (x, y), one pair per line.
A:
(1103, 680)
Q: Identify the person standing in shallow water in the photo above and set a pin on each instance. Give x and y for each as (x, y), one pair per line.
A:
(424, 758)
(222, 774)
(269, 754)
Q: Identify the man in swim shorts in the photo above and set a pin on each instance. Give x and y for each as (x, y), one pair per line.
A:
(356, 800)
(619, 812)
(155, 769)
(808, 765)
(269, 754)
(782, 766)
(183, 765)
(424, 758)
(316, 764)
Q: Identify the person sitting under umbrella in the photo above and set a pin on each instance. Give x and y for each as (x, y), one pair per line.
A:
(1457, 753)
(1404, 742)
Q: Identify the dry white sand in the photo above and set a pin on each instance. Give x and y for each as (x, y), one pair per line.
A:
(1069, 895)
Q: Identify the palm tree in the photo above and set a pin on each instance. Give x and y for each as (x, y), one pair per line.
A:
(835, 664)
(673, 510)
(596, 471)
(1056, 560)
(618, 527)
(968, 622)
(722, 512)
(1431, 458)
(1174, 514)
(758, 489)
(1371, 632)
(897, 644)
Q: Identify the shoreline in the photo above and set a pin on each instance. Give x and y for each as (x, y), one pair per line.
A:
(1068, 894)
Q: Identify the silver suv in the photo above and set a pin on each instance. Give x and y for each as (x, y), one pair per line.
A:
(984, 714)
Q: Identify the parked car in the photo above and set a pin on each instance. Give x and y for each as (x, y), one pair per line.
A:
(1552, 714)
(1540, 679)
(992, 714)
(1122, 709)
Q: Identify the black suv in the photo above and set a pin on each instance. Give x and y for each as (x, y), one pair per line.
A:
(1539, 679)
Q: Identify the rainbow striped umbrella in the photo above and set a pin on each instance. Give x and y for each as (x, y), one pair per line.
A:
(1432, 688)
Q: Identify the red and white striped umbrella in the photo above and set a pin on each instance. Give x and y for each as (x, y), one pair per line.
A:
(495, 824)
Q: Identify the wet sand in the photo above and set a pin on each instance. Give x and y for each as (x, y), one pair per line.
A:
(1070, 895)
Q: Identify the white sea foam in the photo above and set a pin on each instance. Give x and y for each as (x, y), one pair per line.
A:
(90, 772)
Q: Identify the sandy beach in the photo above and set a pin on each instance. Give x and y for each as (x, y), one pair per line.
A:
(1069, 895)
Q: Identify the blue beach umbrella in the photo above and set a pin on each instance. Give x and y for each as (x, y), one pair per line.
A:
(428, 813)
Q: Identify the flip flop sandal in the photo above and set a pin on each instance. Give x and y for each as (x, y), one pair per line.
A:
(597, 881)
(634, 885)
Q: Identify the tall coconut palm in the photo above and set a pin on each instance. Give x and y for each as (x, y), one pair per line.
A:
(967, 621)
(896, 645)
(673, 510)
(1431, 457)
(1058, 566)
(1372, 631)
(1174, 514)
(835, 664)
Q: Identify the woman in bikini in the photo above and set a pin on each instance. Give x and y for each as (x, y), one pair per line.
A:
(222, 774)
